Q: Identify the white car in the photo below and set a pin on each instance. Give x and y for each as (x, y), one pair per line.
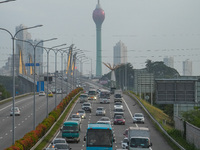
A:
(82, 113)
(138, 118)
(76, 117)
(100, 111)
(104, 120)
(118, 105)
(16, 111)
(42, 93)
(57, 140)
(124, 143)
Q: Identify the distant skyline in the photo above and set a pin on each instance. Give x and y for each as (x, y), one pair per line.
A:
(150, 29)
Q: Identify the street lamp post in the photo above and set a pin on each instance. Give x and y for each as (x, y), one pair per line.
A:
(13, 70)
(56, 52)
(34, 49)
(48, 50)
(62, 52)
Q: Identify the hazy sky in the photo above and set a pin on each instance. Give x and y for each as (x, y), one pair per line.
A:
(151, 29)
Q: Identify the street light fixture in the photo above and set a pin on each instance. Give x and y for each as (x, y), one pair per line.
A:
(34, 49)
(62, 52)
(7, 1)
(13, 70)
(48, 50)
(56, 52)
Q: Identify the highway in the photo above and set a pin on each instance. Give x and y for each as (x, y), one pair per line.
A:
(130, 107)
(24, 122)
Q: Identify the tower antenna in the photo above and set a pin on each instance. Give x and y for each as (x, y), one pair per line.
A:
(98, 1)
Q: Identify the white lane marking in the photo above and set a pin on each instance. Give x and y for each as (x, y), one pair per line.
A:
(15, 103)
(128, 108)
(129, 111)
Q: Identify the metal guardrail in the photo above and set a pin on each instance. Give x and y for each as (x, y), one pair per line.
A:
(16, 97)
(163, 130)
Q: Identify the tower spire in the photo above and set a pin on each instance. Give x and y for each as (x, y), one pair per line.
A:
(98, 1)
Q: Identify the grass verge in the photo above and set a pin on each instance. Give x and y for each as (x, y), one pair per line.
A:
(165, 121)
(57, 126)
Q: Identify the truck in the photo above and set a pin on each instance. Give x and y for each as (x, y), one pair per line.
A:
(118, 96)
(71, 131)
(139, 138)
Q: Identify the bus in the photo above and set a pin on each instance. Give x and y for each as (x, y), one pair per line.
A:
(104, 96)
(71, 131)
(99, 136)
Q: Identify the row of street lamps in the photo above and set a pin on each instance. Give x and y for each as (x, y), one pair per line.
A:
(61, 50)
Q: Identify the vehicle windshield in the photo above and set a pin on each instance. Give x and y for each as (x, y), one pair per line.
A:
(118, 96)
(104, 95)
(75, 116)
(58, 141)
(118, 110)
(99, 138)
(138, 115)
(118, 117)
(70, 128)
(125, 140)
(80, 112)
(86, 104)
(83, 96)
(118, 104)
(139, 142)
(99, 108)
(62, 146)
(92, 93)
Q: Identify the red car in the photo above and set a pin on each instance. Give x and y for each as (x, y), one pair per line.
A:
(119, 119)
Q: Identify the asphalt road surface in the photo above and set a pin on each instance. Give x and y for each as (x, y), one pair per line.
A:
(130, 107)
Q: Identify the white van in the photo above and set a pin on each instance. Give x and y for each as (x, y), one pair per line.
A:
(104, 96)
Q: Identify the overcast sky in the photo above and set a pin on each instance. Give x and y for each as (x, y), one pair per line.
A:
(151, 29)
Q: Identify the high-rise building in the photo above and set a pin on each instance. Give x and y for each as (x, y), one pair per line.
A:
(25, 53)
(98, 17)
(187, 68)
(120, 53)
(169, 61)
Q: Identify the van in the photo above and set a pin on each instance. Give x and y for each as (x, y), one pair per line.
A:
(92, 94)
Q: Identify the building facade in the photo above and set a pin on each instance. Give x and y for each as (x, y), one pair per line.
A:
(169, 61)
(119, 53)
(25, 53)
(187, 68)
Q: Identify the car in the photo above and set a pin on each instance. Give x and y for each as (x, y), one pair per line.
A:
(82, 113)
(87, 106)
(100, 111)
(118, 111)
(125, 133)
(42, 93)
(58, 91)
(118, 105)
(16, 111)
(50, 94)
(104, 120)
(124, 143)
(76, 117)
(117, 97)
(83, 98)
(62, 146)
(138, 118)
(119, 119)
(57, 140)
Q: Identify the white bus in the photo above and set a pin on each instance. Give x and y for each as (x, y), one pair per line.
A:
(104, 96)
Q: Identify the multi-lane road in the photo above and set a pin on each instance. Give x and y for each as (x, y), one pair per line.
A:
(24, 122)
(130, 107)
